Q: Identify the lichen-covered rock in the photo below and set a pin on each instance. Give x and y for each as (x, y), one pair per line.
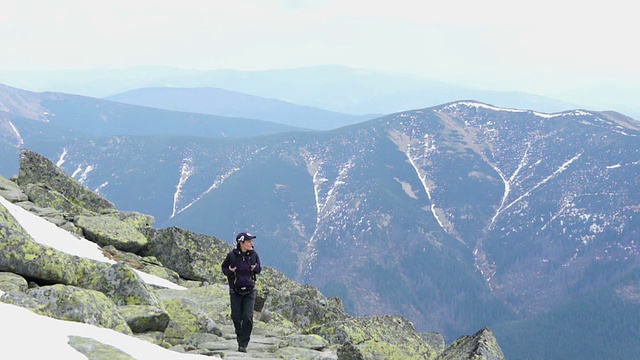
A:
(20, 254)
(378, 337)
(193, 256)
(348, 351)
(147, 264)
(108, 230)
(136, 219)
(35, 168)
(12, 282)
(41, 195)
(11, 191)
(435, 340)
(213, 300)
(186, 320)
(96, 350)
(122, 285)
(305, 307)
(154, 337)
(144, 318)
(479, 346)
(312, 341)
(72, 304)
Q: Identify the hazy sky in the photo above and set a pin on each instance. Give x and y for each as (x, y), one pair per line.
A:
(501, 44)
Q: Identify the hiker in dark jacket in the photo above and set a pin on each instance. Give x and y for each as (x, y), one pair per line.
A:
(241, 266)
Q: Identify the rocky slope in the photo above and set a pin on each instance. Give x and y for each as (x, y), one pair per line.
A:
(293, 320)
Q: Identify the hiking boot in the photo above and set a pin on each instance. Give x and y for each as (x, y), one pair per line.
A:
(242, 349)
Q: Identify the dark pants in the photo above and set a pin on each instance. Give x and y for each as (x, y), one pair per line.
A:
(242, 315)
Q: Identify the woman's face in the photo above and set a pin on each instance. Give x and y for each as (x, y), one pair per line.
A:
(246, 245)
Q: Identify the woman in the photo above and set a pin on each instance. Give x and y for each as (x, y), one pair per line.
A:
(241, 266)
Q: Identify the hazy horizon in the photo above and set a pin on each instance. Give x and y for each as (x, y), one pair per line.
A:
(564, 49)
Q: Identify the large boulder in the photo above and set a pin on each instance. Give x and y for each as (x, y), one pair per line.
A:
(22, 255)
(304, 305)
(144, 318)
(305, 308)
(43, 196)
(187, 319)
(193, 256)
(122, 285)
(213, 300)
(108, 230)
(11, 191)
(35, 168)
(71, 303)
(136, 219)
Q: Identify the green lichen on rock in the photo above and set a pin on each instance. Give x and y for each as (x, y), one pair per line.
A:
(480, 346)
(378, 337)
(143, 318)
(96, 350)
(122, 285)
(11, 191)
(136, 219)
(20, 254)
(303, 305)
(41, 195)
(109, 230)
(193, 256)
(186, 320)
(12, 282)
(213, 300)
(71, 303)
(35, 168)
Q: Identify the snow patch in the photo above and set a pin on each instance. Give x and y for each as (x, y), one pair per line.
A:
(62, 156)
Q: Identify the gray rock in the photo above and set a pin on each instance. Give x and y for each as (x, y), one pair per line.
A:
(12, 282)
(71, 303)
(35, 168)
(123, 286)
(96, 350)
(108, 230)
(193, 256)
(20, 254)
(481, 345)
(144, 318)
(11, 191)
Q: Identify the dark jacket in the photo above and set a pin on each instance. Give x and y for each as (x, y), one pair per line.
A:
(243, 279)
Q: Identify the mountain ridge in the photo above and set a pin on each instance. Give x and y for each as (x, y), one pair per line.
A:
(217, 101)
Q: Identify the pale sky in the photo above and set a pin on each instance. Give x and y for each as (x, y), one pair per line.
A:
(501, 44)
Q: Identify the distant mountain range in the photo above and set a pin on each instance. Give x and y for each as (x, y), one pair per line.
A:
(233, 104)
(334, 88)
(457, 216)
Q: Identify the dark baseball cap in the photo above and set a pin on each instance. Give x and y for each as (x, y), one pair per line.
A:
(243, 236)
